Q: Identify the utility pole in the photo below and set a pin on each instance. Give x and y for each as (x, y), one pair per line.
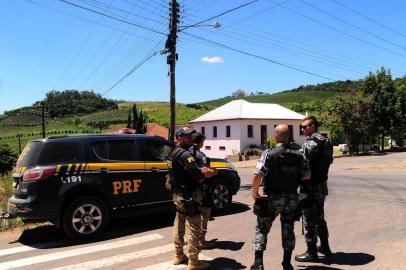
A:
(171, 61)
(43, 120)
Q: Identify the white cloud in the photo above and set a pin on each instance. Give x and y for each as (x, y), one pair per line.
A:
(213, 60)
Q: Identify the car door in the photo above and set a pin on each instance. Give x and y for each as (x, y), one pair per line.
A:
(121, 171)
(156, 167)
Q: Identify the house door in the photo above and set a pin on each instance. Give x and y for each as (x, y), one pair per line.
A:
(264, 134)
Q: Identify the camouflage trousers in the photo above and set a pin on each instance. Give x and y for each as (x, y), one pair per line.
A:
(313, 213)
(187, 227)
(285, 205)
(205, 214)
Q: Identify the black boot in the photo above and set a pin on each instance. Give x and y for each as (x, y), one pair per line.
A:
(259, 260)
(287, 255)
(310, 255)
(324, 248)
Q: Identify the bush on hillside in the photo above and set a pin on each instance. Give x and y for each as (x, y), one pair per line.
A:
(71, 102)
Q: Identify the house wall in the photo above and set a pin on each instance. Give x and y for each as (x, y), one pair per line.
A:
(239, 141)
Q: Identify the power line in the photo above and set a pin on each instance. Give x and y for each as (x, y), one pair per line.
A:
(219, 15)
(114, 18)
(79, 51)
(352, 25)
(340, 31)
(118, 44)
(262, 11)
(313, 53)
(369, 19)
(258, 56)
(295, 43)
(130, 72)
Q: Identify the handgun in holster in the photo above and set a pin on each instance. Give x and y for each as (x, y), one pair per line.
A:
(260, 208)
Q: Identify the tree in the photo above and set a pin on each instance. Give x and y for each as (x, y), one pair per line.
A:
(70, 102)
(239, 93)
(135, 117)
(354, 112)
(129, 119)
(399, 124)
(142, 123)
(381, 88)
(7, 158)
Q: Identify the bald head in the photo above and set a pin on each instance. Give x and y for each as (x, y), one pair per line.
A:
(282, 133)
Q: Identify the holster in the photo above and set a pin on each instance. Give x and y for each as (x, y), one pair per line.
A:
(191, 207)
(260, 208)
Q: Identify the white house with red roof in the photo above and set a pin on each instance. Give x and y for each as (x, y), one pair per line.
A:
(233, 127)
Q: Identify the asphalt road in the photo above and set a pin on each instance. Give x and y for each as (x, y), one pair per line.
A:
(365, 210)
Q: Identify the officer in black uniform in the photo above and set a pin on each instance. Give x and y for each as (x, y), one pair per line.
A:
(281, 169)
(205, 208)
(186, 177)
(319, 151)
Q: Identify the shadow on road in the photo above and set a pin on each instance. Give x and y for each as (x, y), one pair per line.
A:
(317, 267)
(226, 263)
(342, 258)
(118, 228)
(229, 245)
(235, 208)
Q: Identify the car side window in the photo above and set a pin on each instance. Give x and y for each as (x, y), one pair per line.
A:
(119, 150)
(158, 151)
(123, 150)
(58, 152)
(101, 149)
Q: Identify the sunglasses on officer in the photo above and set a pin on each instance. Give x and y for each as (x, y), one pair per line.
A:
(305, 126)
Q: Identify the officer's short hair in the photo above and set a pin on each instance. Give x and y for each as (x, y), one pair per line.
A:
(313, 120)
(198, 137)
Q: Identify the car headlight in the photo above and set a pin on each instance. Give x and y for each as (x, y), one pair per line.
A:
(231, 165)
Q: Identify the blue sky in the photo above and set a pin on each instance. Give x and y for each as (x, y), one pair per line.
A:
(50, 45)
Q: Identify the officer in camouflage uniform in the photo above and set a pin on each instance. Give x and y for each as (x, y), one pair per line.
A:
(281, 170)
(186, 177)
(319, 151)
(205, 208)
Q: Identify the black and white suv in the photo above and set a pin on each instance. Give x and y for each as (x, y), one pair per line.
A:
(80, 182)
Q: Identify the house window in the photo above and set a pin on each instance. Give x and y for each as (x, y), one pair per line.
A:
(203, 131)
(215, 132)
(222, 148)
(228, 131)
(207, 147)
(301, 130)
(249, 130)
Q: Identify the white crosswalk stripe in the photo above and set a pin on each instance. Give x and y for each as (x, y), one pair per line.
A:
(123, 258)
(169, 265)
(15, 250)
(97, 247)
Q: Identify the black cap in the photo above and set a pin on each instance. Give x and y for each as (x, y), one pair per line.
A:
(198, 137)
(185, 131)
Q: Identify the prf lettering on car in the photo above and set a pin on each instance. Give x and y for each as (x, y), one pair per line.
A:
(126, 186)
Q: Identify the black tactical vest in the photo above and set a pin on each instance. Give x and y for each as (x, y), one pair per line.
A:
(284, 173)
(181, 181)
(322, 160)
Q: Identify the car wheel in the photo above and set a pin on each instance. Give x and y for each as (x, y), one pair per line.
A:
(220, 195)
(85, 218)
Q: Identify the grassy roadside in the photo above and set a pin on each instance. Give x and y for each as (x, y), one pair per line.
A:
(5, 193)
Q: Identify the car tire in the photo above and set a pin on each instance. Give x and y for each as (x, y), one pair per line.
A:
(220, 194)
(85, 218)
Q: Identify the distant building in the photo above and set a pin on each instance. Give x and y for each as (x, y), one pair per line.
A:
(233, 127)
(153, 129)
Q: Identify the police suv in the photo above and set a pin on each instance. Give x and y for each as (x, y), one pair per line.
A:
(80, 182)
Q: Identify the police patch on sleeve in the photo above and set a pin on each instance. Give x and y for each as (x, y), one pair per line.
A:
(190, 159)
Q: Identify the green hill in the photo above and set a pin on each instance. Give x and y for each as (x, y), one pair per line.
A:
(302, 94)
